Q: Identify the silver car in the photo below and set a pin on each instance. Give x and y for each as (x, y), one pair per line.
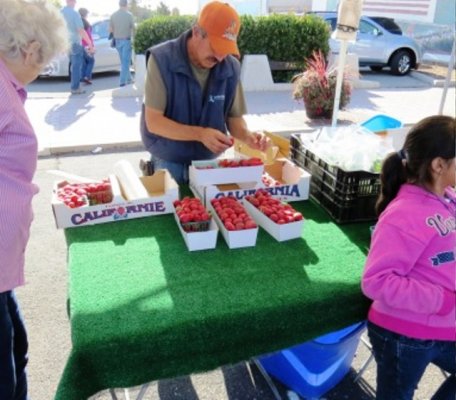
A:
(379, 43)
(106, 57)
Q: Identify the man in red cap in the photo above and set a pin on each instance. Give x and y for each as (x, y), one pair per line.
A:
(193, 96)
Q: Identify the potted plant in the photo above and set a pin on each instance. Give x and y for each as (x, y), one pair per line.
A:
(316, 86)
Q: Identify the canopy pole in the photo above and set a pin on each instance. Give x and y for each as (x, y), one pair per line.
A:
(447, 80)
(340, 78)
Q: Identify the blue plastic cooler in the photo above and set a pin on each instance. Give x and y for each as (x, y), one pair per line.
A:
(314, 367)
(381, 122)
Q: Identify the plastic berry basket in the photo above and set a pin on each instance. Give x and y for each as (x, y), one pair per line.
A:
(101, 197)
(196, 226)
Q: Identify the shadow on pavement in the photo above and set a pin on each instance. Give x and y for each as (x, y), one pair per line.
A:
(61, 116)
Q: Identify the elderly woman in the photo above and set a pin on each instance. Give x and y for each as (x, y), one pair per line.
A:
(32, 33)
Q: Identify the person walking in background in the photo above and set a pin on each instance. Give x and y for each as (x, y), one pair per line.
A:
(77, 33)
(33, 32)
(122, 28)
(193, 95)
(89, 49)
(410, 268)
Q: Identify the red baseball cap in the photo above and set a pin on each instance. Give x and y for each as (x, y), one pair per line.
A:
(221, 23)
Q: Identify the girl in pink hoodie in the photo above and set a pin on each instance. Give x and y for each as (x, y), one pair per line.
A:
(410, 268)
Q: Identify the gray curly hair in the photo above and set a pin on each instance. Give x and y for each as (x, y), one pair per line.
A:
(26, 21)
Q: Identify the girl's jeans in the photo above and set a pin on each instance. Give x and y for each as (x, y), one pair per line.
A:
(13, 349)
(87, 65)
(401, 362)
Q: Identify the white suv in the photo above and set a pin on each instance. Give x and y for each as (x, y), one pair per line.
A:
(379, 43)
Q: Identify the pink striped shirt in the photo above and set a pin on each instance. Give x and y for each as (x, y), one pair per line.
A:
(18, 158)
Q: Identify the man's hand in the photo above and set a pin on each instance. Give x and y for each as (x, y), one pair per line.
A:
(215, 141)
(258, 141)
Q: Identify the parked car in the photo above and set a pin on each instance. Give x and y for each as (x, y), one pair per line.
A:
(106, 57)
(379, 43)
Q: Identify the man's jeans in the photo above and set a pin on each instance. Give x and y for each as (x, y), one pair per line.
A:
(123, 47)
(76, 60)
(178, 171)
(401, 362)
(13, 349)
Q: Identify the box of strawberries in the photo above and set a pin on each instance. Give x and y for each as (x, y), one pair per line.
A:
(86, 203)
(236, 225)
(282, 179)
(195, 223)
(220, 171)
(285, 181)
(277, 218)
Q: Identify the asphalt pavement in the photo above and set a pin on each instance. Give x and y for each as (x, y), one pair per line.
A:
(86, 135)
(107, 116)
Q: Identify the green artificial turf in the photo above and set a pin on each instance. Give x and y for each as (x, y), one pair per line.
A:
(143, 308)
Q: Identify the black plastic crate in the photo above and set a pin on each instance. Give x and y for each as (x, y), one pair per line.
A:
(347, 196)
(361, 209)
(359, 183)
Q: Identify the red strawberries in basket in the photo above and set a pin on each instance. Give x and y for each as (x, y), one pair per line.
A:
(245, 162)
(192, 214)
(278, 212)
(269, 181)
(233, 214)
(82, 194)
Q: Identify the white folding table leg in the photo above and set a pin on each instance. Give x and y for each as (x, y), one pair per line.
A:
(143, 391)
(366, 363)
(269, 381)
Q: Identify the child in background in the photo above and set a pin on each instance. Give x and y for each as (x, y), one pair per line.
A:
(89, 49)
(410, 268)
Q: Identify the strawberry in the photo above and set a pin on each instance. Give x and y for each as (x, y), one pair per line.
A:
(277, 211)
(190, 210)
(232, 213)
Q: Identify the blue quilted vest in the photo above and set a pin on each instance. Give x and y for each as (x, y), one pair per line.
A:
(186, 102)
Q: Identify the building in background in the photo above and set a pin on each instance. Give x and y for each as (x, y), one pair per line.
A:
(440, 12)
(428, 11)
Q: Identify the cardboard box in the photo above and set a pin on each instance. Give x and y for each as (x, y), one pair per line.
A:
(295, 181)
(162, 188)
(235, 239)
(280, 148)
(237, 190)
(294, 186)
(280, 232)
(199, 240)
(213, 176)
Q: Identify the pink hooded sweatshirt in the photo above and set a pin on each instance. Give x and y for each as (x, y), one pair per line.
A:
(410, 268)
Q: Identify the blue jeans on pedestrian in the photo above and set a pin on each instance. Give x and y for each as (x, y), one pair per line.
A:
(401, 362)
(123, 47)
(13, 349)
(76, 60)
(87, 65)
(177, 170)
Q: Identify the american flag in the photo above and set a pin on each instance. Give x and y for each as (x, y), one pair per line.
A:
(419, 10)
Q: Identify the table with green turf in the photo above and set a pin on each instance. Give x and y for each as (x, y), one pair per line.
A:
(142, 307)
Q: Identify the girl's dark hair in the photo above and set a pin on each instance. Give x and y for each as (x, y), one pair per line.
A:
(430, 138)
(84, 12)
